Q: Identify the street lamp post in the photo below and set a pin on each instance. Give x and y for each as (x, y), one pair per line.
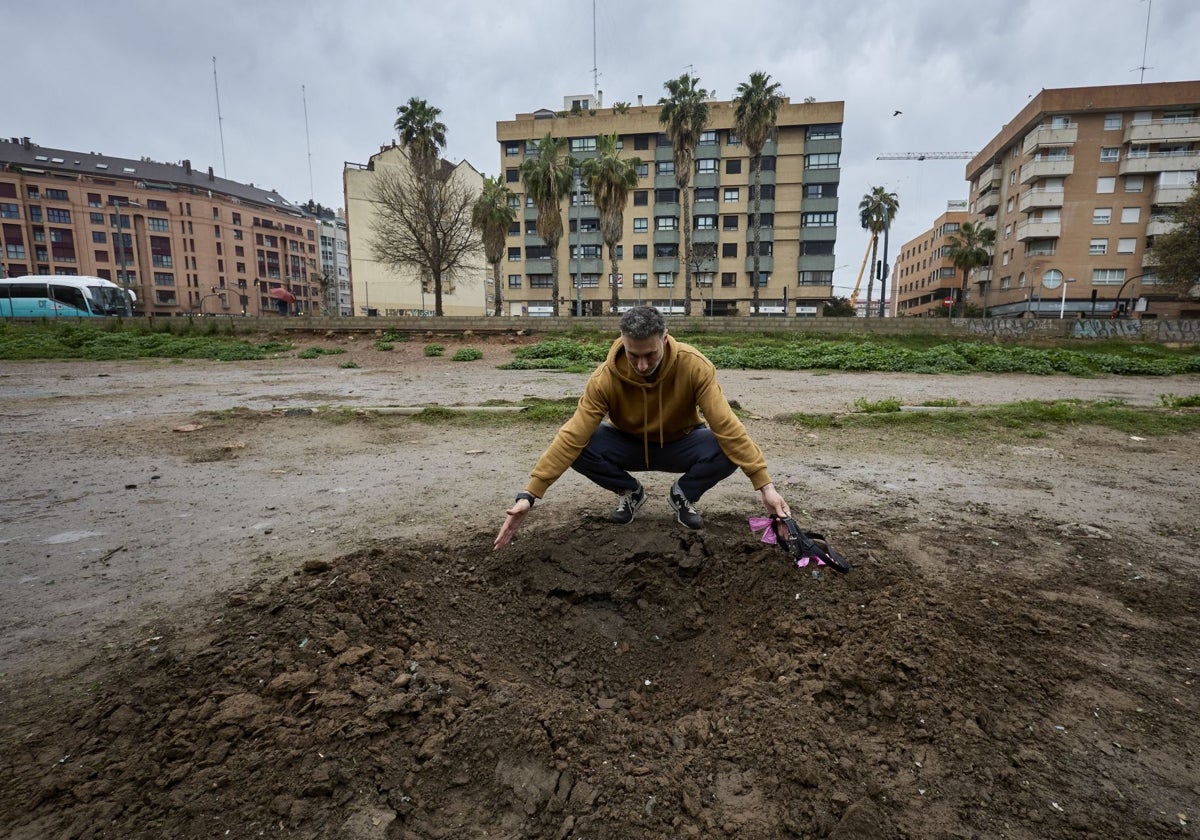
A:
(1062, 309)
(119, 237)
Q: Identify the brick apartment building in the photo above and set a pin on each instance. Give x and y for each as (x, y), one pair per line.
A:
(184, 241)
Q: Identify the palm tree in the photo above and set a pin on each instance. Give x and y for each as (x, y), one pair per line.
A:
(969, 249)
(422, 135)
(492, 216)
(684, 113)
(876, 211)
(755, 109)
(547, 177)
(609, 178)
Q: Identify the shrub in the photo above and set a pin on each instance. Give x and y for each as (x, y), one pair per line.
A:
(467, 354)
(434, 349)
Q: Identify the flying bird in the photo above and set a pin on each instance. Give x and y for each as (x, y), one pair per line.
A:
(897, 113)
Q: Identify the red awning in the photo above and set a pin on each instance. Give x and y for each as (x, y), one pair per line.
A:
(282, 294)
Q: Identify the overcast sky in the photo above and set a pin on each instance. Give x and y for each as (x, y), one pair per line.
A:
(136, 77)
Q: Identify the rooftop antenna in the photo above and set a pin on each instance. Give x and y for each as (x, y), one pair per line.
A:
(1145, 43)
(308, 145)
(595, 67)
(220, 128)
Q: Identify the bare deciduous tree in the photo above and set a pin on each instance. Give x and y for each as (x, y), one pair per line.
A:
(423, 224)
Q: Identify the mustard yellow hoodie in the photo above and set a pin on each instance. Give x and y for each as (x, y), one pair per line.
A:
(660, 411)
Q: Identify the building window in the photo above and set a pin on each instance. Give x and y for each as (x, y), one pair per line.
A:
(666, 196)
(164, 278)
(666, 249)
(830, 131)
(1098, 247)
(666, 223)
(1109, 154)
(666, 279)
(820, 190)
(541, 281)
(531, 226)
(768, 192)
(1141, 150)
(1126, 246)
(643, 170)
(160, 225)
(589, 281)
(1130, 215)
(514, 254)
(512, 175)
(1112, 122)
(13, 211)
(639, 281)
(1108, 276)
(706, 166)
(56, 195)
(664, 167)
(706, 222)
(816, 278)
(641, 225)
(639, 252)
(1106, 185)
(733, 166)
(641, 198)
(99, 237)
(705, 194)
(731, 195)
(707, 138)
(512, 150)
(816, 247)
(54, 214)
(729, 222)
(819, 161)
(1133, 183)
(1101, 215)
(96, 218)
(728, 279)
(816, 219)
(641, 142)
(729, 249)
(583, 144)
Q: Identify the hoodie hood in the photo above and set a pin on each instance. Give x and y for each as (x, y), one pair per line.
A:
(620, 366)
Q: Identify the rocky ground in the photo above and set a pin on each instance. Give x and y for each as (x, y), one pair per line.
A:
(227, 614)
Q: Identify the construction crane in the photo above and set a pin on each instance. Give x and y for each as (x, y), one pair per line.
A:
(926, 156)
(861, 270)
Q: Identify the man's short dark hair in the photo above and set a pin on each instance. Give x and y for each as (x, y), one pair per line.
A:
(642, 322)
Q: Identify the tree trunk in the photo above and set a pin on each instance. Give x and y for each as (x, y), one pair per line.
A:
(756, 179)
(496, 283)
(616, 295)
(883, 275)
(686, 197)
(871, 276)
(554, 276)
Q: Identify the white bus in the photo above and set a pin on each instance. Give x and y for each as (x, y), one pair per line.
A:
(59, 296)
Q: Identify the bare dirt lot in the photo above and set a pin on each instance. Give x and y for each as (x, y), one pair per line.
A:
(281, 624)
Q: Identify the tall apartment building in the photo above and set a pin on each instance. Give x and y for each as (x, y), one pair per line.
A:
(801, 170)
(1075, 186)
(334, 243)
(924, 280)
(379, 289)
(184, 241)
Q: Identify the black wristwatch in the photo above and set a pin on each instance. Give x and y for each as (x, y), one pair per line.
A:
(529, 497)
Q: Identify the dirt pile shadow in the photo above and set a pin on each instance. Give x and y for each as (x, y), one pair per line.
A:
(645, 682)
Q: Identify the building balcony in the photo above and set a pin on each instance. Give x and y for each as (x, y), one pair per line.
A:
(664, 264)
(1160, 131)
(706, 179)
(982, 276)
(767, 234)
(1040, 199)
(1046, 248)
(1170, 195)
(1047, 168)
(1037, 229)
(1048, 136)
(707, 235)
(765, 263)
(587, 265)
(664, 182)
(1159, 225)
(708, 151)
(1159, 162)
(663, 152)
(989, 178)
(988, 203)
(666, 237)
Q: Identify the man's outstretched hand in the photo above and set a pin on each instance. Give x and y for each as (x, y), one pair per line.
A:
(515, 516)
(773, 502)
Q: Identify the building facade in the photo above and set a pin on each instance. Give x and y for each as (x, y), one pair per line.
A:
(183, 241)
(379, 289)
(801, 171)
(334, 243)
(1075, 186)
(924, 280)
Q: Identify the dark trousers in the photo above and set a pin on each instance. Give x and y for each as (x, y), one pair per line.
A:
(611, 454)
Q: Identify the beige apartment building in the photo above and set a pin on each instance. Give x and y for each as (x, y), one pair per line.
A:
(184, 241)
(379, 289)
(801, 171)
(924, 280)
(1076, 186)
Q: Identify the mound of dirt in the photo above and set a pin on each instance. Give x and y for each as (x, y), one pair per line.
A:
(647, 682)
